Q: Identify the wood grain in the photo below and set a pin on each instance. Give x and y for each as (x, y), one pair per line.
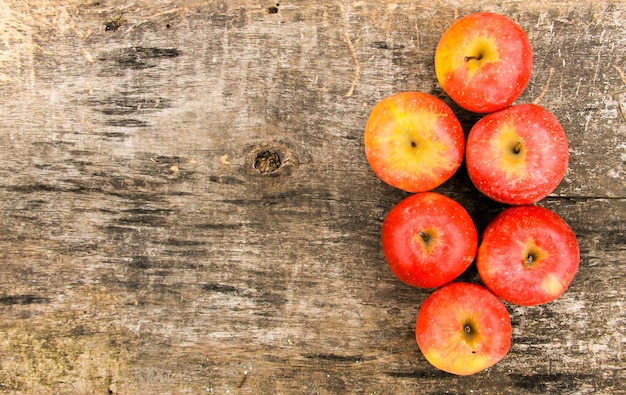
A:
(186, 206)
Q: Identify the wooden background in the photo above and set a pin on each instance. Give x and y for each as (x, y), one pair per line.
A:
(186, 206)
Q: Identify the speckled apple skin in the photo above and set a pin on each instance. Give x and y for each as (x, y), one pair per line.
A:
(484, 61)
(506, 243)
(453, 240)
(522, 178)
(413, 141)
(440, 333)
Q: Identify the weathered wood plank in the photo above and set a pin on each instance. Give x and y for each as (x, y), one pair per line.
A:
(149, 245)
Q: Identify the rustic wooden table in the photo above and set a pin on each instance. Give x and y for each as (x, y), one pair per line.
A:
(186, 206)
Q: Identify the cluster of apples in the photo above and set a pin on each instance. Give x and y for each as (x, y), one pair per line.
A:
(515, 154)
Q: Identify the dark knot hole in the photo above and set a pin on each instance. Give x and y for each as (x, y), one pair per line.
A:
(267, 162)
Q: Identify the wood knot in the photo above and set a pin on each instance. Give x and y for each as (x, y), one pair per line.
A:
(273, 9)
(271, 160)
(267, 162)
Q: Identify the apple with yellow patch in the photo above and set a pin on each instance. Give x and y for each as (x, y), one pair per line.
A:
(428, 240)
(463, 328)
(484, 61)
(413, 141)
(528, 255)
(518, 155)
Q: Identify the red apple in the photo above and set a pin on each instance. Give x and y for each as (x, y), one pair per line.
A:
(463, 328)
(413, 141)
(528, 255)
(483, 61)
(428, 240)
(517, 155)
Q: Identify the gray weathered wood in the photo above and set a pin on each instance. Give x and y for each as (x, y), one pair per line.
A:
(186, 206)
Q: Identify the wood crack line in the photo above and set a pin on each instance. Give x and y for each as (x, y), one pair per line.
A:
(545, 88)
(357, 65)
(622, 75)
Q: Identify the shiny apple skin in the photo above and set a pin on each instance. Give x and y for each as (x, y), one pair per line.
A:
(414, 141)
(428, 240)
(517, 178)
(484, 61)
(528, 255)
(463, 328)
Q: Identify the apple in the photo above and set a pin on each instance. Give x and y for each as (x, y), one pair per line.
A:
(428, 240)
(484, 61)
(463, 328)
(528, 255)
(518, 155)
(413, 141)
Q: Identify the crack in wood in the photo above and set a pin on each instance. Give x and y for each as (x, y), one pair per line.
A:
(140, 57)
(357, 65)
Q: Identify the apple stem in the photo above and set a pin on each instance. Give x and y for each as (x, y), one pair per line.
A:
(425, 236)
(530, 258)
(479, 57)
(517, 148)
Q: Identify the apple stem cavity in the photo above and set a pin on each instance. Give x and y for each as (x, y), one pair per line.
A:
(530, 259)
(470, 333)
(469, 330)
